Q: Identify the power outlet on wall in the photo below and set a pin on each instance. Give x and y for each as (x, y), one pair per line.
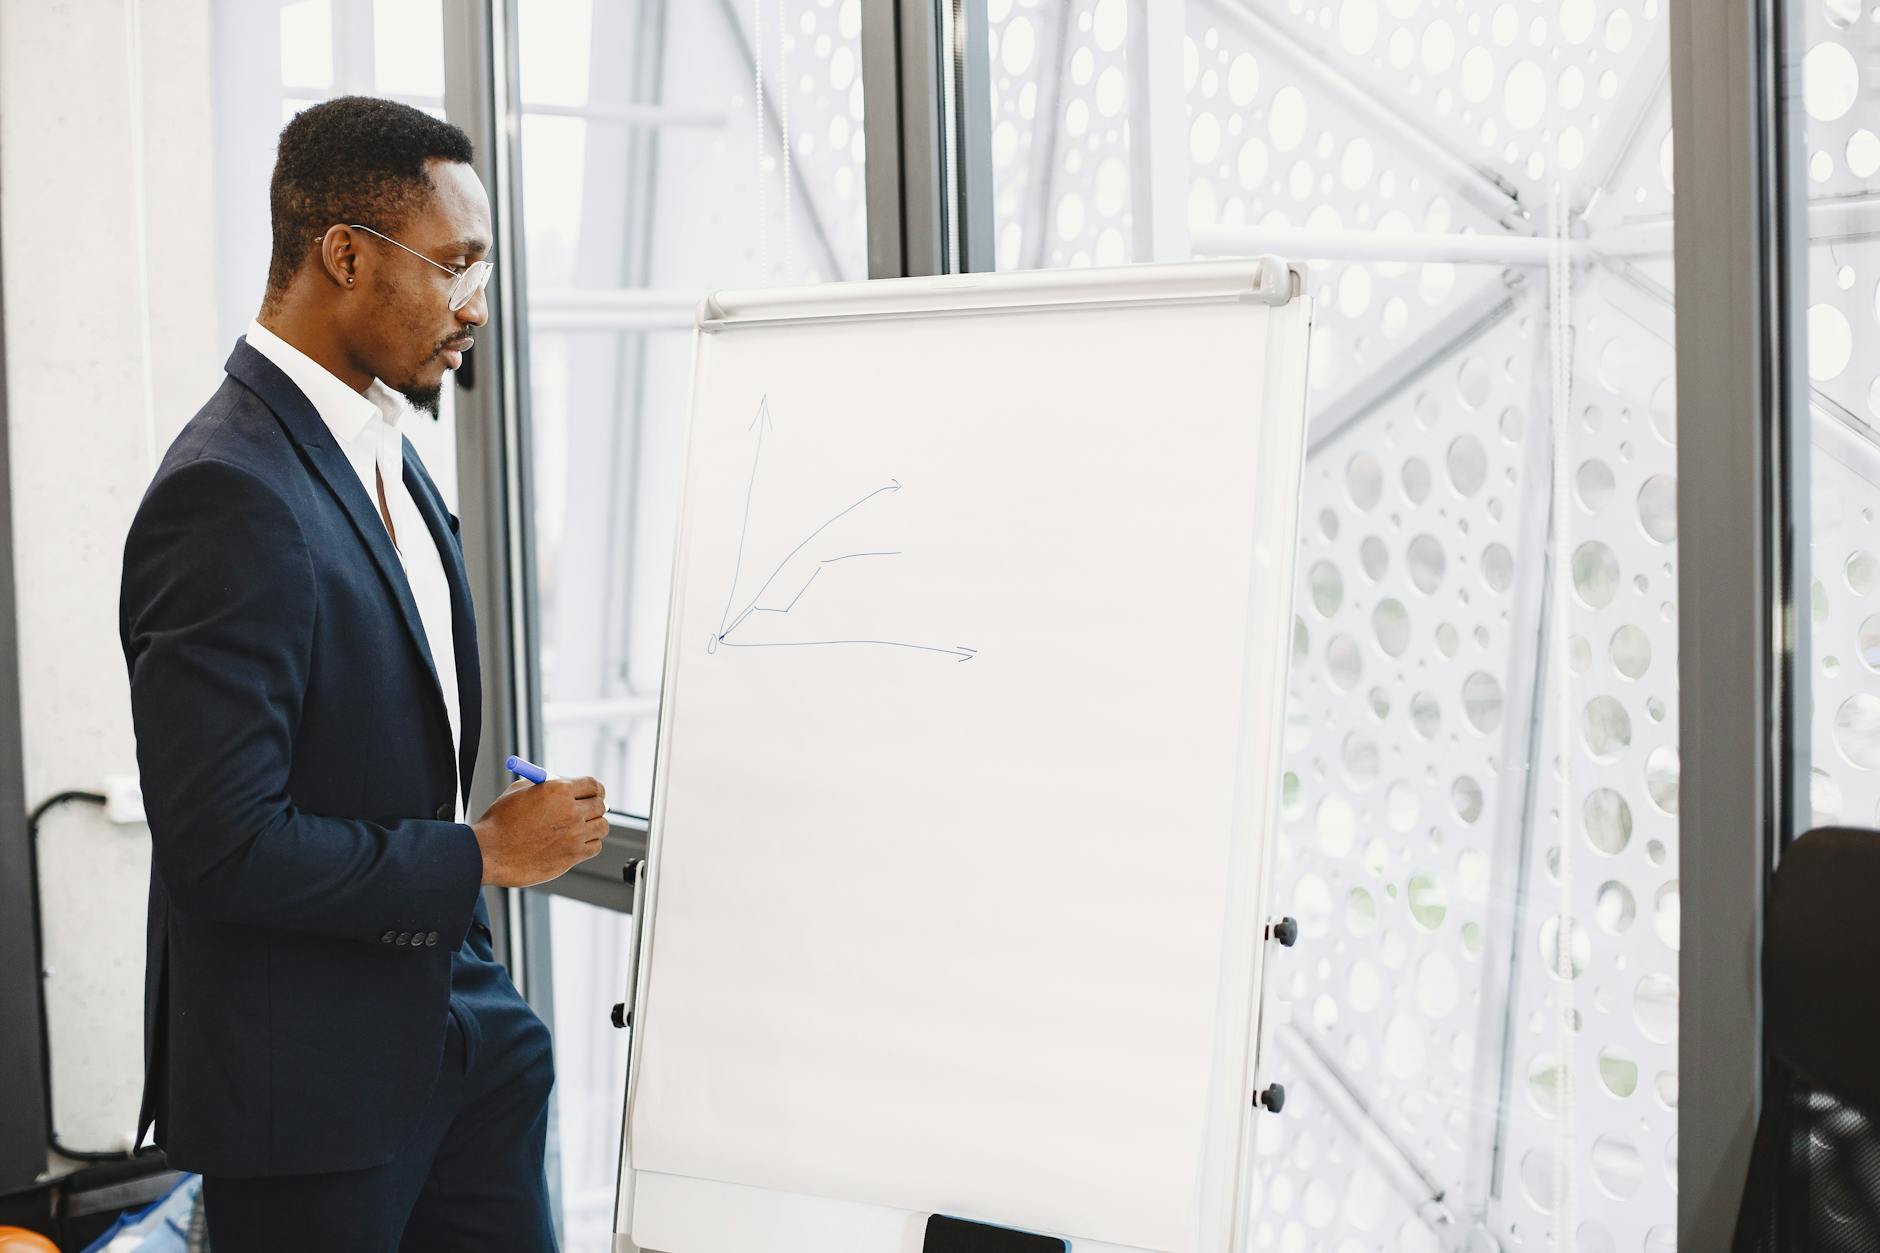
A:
(123, 799)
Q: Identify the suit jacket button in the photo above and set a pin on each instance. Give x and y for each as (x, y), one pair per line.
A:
(430, 941)
(388, 937)
(446, 812)
(404, 937)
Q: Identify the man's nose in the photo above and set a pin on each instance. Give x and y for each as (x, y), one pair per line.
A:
(476, 310)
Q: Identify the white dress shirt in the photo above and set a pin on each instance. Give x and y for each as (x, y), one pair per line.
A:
(366, 430)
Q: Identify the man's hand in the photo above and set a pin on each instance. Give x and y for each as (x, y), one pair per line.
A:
(535, 831)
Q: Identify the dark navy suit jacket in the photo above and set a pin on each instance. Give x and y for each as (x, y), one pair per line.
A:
(307, 886)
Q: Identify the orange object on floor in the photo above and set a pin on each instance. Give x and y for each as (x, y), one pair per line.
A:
(20, 1240)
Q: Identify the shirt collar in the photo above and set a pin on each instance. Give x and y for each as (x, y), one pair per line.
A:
(345, 412)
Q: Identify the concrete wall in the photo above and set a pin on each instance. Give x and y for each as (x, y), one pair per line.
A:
(108, 230)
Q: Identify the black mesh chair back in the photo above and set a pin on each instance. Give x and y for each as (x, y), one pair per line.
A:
(1814, 1179)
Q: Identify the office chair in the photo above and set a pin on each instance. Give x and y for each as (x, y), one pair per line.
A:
(1814, 1176)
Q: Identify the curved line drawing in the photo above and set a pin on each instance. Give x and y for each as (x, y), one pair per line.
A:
(728, 623)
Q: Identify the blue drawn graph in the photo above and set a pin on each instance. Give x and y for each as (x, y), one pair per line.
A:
(736, 619)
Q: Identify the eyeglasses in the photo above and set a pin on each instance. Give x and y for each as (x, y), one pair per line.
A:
(465, 283)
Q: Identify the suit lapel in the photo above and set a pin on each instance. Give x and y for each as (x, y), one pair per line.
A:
(462, 613)
(303, 425)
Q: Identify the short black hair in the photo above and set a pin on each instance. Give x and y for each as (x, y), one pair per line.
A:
(351, 159)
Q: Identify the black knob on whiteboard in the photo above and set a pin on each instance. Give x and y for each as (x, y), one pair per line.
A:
(622, 1018)
(1273, 1097)
(1286, 931)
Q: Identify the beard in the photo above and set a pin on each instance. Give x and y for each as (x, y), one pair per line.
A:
(424, 399)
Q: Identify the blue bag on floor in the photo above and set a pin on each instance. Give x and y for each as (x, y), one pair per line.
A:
(160, 1227)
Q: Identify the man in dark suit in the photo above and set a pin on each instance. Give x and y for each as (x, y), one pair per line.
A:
(329, 1038)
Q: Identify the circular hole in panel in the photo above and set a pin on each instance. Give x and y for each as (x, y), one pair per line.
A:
(1593, 485)
(1607, 728)
(1416, 480)
(1870, 642)
(1392, 624)
(1545, 1076)
(1665, 914)
(1468, 465)
(1631, 651)
(1360, 912)
(1428, 902)
(1617, 1167)
(1466, 795)
(1655, 1005)
(1830, 81)
(1824, 796)
(1472, 874)
(1374, 557)
(1473, 383)
(1344, 662)
(1565, 952)
(1366, 1198)
(1328, 588)
(1608, 820)
(1497, 567)
(1658, 507)
(1361, 760)
(1614, 907)
(1481, 701)
(1290, 796)
(1594, 1238)
(1537, 1179)
(1512, 425)
(1661, 778)
(1426, 562)
(1595, 574)
(1618, 1073)
(1862, 568)
(1665, 1084)
(1857, 730)
(1401, 807)
(1830, 343)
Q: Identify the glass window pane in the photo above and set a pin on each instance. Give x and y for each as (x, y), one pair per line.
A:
(1479, 824)
(654, 169)
(1841, 270)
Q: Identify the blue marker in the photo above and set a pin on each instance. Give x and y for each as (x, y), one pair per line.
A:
(527, 770)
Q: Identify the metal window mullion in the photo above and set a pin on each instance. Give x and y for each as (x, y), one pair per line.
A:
(969, 59)
(494, 489)
(927, 115)
(1734, 608)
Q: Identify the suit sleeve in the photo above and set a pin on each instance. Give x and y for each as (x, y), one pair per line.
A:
(217, 616)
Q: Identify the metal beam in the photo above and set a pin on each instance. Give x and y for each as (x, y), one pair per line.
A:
(1738, 401)
(494, 481)
(1480, 186)
(1158, 133)
(25, 1130)
(1460, 329)
(971, 184)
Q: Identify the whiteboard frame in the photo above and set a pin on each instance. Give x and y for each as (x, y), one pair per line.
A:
(744, 1219)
